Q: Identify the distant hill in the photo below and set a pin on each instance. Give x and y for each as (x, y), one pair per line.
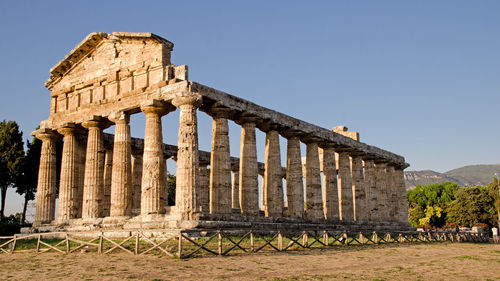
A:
(464, 176)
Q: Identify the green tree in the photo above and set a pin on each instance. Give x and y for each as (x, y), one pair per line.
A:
(433, 217)
(12, 153)
(474, 205)
(171, 180)
(494, 193)
(29, 174)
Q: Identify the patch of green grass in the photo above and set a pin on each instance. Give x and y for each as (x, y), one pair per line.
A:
(467, 258)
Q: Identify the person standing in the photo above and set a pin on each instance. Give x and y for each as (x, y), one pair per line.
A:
(495, 235)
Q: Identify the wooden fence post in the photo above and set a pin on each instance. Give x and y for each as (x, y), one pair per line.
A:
(136, 251)
(99, 249)
(38, 244)
(67, 244)
(179, 250)
(219, 238)
(252, 242)
(280, 241)
(305, 239)
(375, 237)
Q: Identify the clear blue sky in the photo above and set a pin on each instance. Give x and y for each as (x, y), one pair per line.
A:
(418, 78)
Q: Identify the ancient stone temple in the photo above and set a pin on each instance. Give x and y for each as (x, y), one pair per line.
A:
(116, 182)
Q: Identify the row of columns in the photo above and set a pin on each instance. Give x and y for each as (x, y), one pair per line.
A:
(363, 189)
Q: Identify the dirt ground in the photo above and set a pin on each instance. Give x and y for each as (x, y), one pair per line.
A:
(441, 261)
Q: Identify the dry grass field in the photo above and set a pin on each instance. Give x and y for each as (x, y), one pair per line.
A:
(436, 261)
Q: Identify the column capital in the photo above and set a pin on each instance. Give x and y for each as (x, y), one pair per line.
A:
(190, 99)
(247, 119)
(119, 117)
(156, 107)
(46, 134)
(221, 112)
(96, 122)
(69, 129)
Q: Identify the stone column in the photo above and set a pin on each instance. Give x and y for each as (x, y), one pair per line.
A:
(220, 164)
(93, 190)
(46, 188)
(68, 184)
(345, 188)
(108, 173)
(121, 183)
(380, 182)
(188, 177)
(153, 162)
(391, 194)
(273, 183)
(314, 200)
(249, 173)
(402, 213)
(235, 190)
(330, 188)
(294, 182)
(82, 153)
(371, 191)
(136, 182)
(204, 188)
(358, 188)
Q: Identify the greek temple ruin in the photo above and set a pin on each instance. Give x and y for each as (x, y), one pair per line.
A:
(114, 181)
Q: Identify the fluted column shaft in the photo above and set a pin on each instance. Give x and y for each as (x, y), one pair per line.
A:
(82, 153)
(136, 181)
(273, 183)
(391, 194)
(314, 200)
(204, 189)
(380, 182)
(108, 173)
(402, 212)
(220, 167)
(330, 188)
(371, 191)
(188, 177)
(93, 190)
(346, 208)
(121, 183)
(249, 190)
(153, 162)
(358, 187)
(46, 188)
(235, 190)
(294, 181)
(68, 184)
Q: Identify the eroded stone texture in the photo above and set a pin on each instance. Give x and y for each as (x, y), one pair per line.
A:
(371, 191)
(314, 200)
(82, 154)
(68, 185)
(235, 190)
(358, 188)
(345, 187)
(121, 181)
(249, 196)
(188, 177)
(136, 182)
(294, 183)
(330, 188)
(273, 183)
(204, 189)
(108, 174)
(402, 210)
(93, 190)
(46, 189)
(220, 166)
(381, 181)
(391, 193)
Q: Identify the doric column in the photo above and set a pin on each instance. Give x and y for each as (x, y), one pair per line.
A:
(46, 188)
(68, 184)
(153, 162)
(330, 188)
(391, 194)
(273, 183)
(345, 188)
(188, 180)
(358, 187)
(136, 182)
(108, 173)
(220, 164)
(402, 213)
(235, 190)
(371, 191)
(314, 200)
(380, 182)
(294, 182)
(93, 190)
(121, 183)
(82, 154)
(204, 188)
(249, 173)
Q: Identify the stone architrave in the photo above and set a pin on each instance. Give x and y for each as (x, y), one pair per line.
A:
(153, 162)
(235, 190)
(249, 184)
(294, 182)
(330, 188)
(346, 209)
(204, 189)
(108, 173)
(358, 189)
(220, 165)
(46, 188)
(136, 182)
(380, 182)
(314, 200)
(273, 183)
(402, 210)
(371, 191)
(68, 184)
(188, 177)
(391, 194)
(121, 179)
(93, 190)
